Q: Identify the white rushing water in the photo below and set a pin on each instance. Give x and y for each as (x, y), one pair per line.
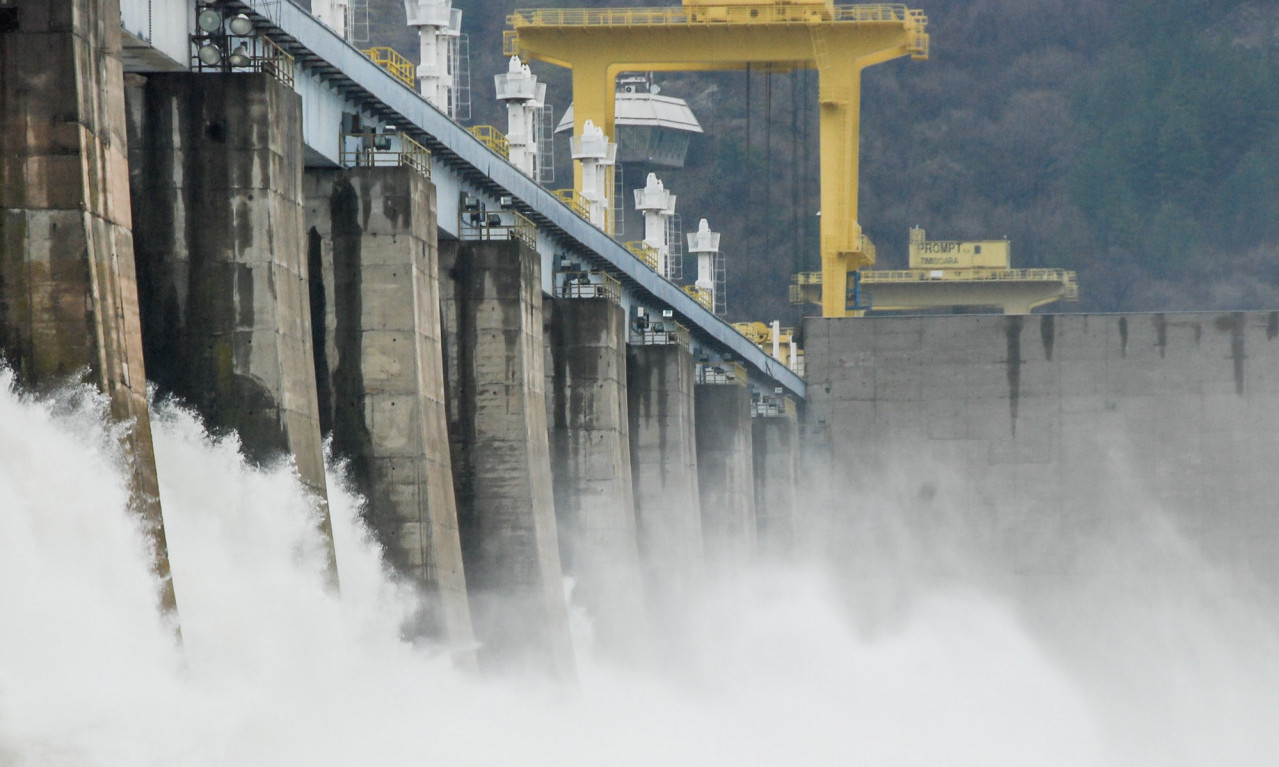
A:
(275, 671)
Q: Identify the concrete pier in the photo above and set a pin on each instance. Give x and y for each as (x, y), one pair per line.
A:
(775, 443)
(495, 371)
(375, 303)
(659, 387)
(222, 271)
(68, 292)
(726, 472)
(591, 466)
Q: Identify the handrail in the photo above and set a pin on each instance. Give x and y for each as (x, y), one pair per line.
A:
(589, 285)
(491, 227)
(394, 62)
(575, 201)
(664, 333)
(379, 150)
(966, 275)
(276, 61)
(721, 373)
(644, 252)
(702, 295)
(762, 14)
(740, 14)
(492, 138)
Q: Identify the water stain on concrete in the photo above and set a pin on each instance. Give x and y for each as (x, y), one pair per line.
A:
(1013, 333)
(1048, 334)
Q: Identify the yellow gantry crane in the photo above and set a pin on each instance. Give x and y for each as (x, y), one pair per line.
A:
(839, 41)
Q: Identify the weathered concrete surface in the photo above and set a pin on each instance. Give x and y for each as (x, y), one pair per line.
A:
(775, 442)
(726, 473)
(1052, 446)
(495, 377)
(659, 387)
(591, 466)
(375, 303)
(68, 290)
(222, 272)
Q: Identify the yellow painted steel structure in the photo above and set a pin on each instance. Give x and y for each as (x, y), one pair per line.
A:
(702, 295)
(392, 61)
(492, 138)
(953, 273)
(761, 334)
(839, 41)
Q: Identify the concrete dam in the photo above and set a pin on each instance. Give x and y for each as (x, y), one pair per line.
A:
(519, 400)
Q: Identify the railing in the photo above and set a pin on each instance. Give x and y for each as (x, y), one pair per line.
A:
(575, 201)
(490, 225)
(644, 252)
(710, 14)
(384, 150)
(275, 61)
(664, 333)
(721, 373)
(882, 276)
(589, 285)
(392, 61)
(701, 295)
(772, 406)
(492, 138)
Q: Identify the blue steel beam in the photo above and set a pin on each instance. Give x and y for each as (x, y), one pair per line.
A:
(312, 42)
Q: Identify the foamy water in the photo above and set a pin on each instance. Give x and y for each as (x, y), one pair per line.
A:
(276, 671)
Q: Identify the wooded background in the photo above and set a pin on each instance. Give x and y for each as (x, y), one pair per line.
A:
(1135, 141)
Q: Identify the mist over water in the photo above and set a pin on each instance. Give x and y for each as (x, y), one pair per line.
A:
(891, 665)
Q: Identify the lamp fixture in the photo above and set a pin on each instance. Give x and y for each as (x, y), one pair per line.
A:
(240, 56)
(209, 54)
(209, 21)
(241, 25)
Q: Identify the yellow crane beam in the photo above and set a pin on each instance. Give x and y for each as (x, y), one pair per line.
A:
(839, 41)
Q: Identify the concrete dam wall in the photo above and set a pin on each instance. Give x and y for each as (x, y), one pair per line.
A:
(1047, 443)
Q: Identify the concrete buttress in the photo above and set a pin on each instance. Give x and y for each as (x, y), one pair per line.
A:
(591, 466)
(726, 473)
(495, 376)
(375, 302)
(775, 442)
(222, 270)
(68, 290)
(660, 406)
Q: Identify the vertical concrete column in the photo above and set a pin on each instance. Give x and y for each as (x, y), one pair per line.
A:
(659, 385)
(492, 300)
(726, 472)
(775, 443)
(222, 272)
(591, 466)
(68, 290)
(375, 303)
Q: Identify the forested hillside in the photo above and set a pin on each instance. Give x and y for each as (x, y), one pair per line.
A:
(1134, 141)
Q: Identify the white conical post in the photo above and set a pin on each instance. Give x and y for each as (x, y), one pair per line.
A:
(436, 23)
(331, 13)
(596, 154)
(704, 244)
(658, 205)
(524, 97)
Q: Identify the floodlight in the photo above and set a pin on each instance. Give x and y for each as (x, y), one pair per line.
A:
(241, 25)
(209, 54)
(209, 21)
(240, 56)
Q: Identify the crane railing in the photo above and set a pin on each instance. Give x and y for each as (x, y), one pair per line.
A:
(882, 276)
(704, 15)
